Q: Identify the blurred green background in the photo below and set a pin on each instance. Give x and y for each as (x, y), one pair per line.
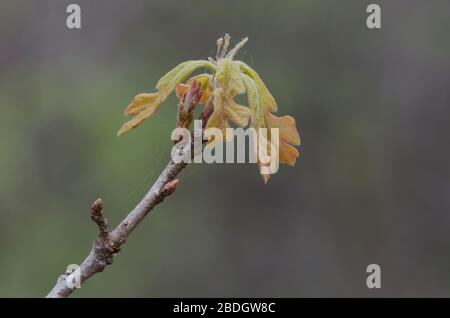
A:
(371, 186)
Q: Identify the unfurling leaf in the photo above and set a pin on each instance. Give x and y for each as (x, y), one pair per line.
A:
(237, 113)
(136, 121)
(253, 97)
(218, 118)
(267, 100)
(286, 124)
(229, 76)
(288, 154)
(226, 79)
(169, 81)
(140, 102)
(145, 105)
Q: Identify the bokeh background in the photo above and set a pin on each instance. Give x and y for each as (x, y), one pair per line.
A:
(372, 184)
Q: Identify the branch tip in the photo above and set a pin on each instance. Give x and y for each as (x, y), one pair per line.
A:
(99, 218)
(238, 46)
(97, 206)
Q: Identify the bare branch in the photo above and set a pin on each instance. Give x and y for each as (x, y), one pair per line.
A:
(109, 243)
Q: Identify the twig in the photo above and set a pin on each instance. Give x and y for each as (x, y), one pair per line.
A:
(98, 217)
(108, 244)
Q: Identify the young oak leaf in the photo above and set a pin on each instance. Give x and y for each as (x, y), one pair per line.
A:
(286, 124)
(138, 119)
(257, 118)
(168, 82)
(228, 83)
(238, 114)
(144, 106)
(226, 109)
(145, 100)
(266, 99)
(228, 78)
(262, 103)
(257, 122)
(288, 136)
(140, 102)
(288, 154)
(218, 118)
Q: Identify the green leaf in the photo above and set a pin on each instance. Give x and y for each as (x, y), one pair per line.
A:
(237, 113)
(168, 82)
(144, 108)
(267, 100)
(257, 120)
(229, 76)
